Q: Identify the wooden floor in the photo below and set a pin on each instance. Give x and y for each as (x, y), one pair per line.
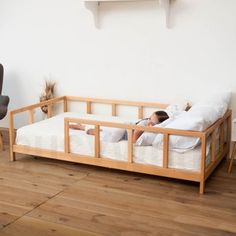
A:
(41, 197)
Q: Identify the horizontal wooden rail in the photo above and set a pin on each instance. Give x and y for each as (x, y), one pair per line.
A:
(135, 127)
(37, 105)
(115, 164)
(117, 102)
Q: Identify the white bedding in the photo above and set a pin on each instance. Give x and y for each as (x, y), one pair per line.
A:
(49, 134)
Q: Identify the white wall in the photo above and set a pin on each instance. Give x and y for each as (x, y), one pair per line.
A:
(132, 56)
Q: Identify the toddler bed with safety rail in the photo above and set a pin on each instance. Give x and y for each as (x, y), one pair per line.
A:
(52, 138)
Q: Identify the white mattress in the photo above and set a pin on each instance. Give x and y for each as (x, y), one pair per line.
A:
(49, 134)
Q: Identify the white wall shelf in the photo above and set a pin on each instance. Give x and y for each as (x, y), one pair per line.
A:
(93, 6)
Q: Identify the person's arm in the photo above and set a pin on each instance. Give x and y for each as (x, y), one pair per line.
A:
(188, 107)
(136, 135)
(77, 126)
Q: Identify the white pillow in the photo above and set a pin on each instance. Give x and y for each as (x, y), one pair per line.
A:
(210, 113)
(147, 138)
(198, 118)
(183, 122)
(174, 110)
(222, 97)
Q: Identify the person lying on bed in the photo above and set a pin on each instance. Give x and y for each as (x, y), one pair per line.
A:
(156, 118)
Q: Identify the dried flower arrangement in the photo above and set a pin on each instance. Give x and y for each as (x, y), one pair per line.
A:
(47, 94)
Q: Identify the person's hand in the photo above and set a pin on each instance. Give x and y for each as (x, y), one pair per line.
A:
(72, 126)
(90, 131)
(150, 123)
(76, 126)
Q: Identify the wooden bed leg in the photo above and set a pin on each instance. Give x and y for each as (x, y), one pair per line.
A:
(202, 187)
(203, 164)
(12, 156)
(11, 136)
(1, 142)
(232, 158)
(229, 131)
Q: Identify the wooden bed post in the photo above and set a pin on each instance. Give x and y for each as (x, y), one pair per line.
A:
(89, 107)
(213, 146)
(165, 150)
(140, 112)
(66, 136)
(11, 136)
(49, 114)
(31, 116)
(203, 163)
(130, 145)
(1, 142)
(113, 112)
(97, 141)
(65, 108)
(229, 130)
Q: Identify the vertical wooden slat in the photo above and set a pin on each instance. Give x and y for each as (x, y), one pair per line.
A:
(31, 116)
(203, 163)
(130, 145)
(232, 158)
(11, 136)
(222, 138)
(165, 150)
(89, 108)
(113, 109)
(66, 137)
(140, 112)
(1, 142)
(229, 130)
(213, 146)
(97, 141)
(49, 114)
(65, 108)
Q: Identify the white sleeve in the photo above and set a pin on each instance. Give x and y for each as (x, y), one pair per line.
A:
(143, 123)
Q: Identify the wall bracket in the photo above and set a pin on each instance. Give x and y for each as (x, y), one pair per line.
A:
(93, 6)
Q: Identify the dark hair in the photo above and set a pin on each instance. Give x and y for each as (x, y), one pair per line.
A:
(161, 115)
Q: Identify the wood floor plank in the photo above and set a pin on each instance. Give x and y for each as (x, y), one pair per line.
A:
(28, 226)
(48, 197)
(168, 208)
(153, 190)
(109, 220)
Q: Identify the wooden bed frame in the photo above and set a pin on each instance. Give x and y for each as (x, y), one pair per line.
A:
(130, 165)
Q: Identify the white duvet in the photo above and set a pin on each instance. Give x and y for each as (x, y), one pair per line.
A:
(49, 134)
